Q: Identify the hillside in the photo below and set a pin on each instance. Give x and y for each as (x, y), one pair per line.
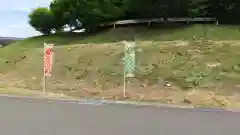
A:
(8, 40)
(198, 70)
(157, 32)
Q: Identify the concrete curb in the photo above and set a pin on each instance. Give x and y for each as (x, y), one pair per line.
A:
(118, 102)
(149, 104)
(174, 106)
(232, 110)
(39, 98)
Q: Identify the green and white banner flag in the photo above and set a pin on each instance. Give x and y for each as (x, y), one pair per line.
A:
(129, 59)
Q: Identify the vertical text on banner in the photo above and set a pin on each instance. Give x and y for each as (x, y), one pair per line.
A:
(48, 59)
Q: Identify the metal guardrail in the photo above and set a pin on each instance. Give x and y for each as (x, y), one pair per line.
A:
(161, 20)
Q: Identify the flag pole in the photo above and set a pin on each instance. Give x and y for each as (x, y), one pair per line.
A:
(129, 64)
(124, 86)
(44, 83)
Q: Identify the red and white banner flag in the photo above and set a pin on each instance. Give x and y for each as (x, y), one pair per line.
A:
(48, 59)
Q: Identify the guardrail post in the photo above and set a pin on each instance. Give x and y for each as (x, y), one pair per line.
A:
(149, 23)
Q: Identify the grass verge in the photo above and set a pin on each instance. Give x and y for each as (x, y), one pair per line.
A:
(31, 93)
(157, 32)
(97, 71)
(198, 72)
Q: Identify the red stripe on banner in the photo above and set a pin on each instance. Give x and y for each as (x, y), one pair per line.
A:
(48, 56)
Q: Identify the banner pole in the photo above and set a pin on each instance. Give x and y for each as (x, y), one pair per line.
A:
(47, 63)
(124, 86)
(129, 64)
(44, 83)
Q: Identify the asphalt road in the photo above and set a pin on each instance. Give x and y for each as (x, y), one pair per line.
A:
(38, 117)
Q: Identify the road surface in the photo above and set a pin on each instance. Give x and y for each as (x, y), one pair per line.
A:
(39, 117)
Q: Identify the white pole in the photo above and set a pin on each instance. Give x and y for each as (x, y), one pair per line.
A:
(124, 86)
(126, 65)
(44, 83)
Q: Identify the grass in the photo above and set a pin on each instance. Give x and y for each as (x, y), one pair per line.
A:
(26, 92)
(14, 91)
(169, 55)
(138, 33)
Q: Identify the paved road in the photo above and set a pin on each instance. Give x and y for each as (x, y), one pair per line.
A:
(38, 117)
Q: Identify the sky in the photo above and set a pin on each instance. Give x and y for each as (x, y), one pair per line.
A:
(14, 17)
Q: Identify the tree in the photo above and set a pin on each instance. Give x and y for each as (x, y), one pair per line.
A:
(43, 20)
(81, 13)
(226, 11)
(197, 8)
(157, 8)
(145, 8)
(65, 12)
(89, 14)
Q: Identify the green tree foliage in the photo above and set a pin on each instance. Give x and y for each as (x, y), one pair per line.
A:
(77, 14)
(227, 11)
(81, 13)
(42, 20)
(197, 8)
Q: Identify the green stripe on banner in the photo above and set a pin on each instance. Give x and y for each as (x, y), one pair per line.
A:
(129, 60)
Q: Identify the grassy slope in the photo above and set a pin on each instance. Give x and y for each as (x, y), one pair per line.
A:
(154, 33)
(96, 70)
